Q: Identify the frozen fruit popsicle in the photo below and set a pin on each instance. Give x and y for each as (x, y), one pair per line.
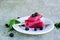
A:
(34, 21)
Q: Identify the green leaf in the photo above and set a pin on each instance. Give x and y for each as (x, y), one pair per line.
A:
(13, 21)
(57, 25)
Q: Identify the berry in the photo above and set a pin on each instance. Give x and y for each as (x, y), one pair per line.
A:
(11, 34)
(41, 28)
(35, 29)
(18, 17)
(6, 25)
(23, 25)
(33, 15)
(26, 29)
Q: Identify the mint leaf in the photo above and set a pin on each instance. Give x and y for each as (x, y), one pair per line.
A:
(13, 21)
(57, 25)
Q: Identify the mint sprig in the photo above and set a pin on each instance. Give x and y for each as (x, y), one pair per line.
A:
(12, 22)
(57, 25)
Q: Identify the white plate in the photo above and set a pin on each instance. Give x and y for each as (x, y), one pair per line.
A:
(31, 31)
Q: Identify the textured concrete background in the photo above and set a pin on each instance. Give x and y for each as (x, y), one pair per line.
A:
(10, 9)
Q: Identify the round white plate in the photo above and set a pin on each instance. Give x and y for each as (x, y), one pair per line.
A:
(31, 31)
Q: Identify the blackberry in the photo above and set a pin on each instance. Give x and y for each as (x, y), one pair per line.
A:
(18, 17)
(11, 34)
(23, 25)
(6, 25)
(26, 29)
(35, 29)
(35, 13)
(41, 28)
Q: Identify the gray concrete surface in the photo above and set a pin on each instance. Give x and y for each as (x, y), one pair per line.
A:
(10, 9)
